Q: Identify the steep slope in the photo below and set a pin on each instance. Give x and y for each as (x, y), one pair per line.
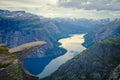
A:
(75, 26)
(104, 32)
(11, 64)
(115, 74)
(95, 63)
(24, 50)
(6, 58)
(19, 27)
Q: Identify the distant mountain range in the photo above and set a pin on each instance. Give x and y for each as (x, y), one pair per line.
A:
(107, 31)
(95, 63)
(19, 27)
(73, 26)
(98, 61)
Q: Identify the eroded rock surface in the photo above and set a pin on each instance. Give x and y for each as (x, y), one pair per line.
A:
(16, 70)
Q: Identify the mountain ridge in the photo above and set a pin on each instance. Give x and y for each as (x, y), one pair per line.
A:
(86, 67)
(107, 31)
(19, 27)
(98, 61)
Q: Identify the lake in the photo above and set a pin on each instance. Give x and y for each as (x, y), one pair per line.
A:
(73, 45)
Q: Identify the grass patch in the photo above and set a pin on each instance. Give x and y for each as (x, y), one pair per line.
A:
(5, 64)
(115, 40)
(4, 50)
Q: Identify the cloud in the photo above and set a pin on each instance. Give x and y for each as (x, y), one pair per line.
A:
(91, 4)
(26, 3)
(22, 3)
(66, 8)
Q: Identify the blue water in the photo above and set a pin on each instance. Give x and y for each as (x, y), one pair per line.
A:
(37, 65)
(44, 66)
(73, 45)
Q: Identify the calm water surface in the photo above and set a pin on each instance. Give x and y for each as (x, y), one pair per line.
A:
(73, 45)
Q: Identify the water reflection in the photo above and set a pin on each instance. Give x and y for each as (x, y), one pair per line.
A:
(73, 46)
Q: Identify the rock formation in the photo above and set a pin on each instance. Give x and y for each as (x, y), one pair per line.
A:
(24, 50)
(116, 74)
(94, 63)
(15, 70)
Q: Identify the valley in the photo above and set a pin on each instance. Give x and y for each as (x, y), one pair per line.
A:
(73, 46)
(62, 57)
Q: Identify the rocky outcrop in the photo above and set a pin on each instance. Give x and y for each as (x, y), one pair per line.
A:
(26, 49)
(95, 63)
(16, 70)
(6, 58)
(116, 74)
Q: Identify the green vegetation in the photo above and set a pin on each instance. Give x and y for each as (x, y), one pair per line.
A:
(0, 37)
(16, 72)
(112, 41)
(108, 31)
(5, 64)
(6, 58)
(94, 63)
(4, 50)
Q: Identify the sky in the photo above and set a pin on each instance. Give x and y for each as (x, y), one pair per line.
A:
(95, 9)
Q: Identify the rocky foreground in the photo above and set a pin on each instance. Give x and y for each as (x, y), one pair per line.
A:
(98, 62)
(11, 61)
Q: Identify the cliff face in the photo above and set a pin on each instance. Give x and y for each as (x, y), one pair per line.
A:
(6, 58)
(77, 26)
(24, 50)
(115, 74)
(107, 31)
(11, 72)
(19, 27)
(15, 69)
(95, 63)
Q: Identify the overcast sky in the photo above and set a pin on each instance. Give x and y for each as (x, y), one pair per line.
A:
(66, 8)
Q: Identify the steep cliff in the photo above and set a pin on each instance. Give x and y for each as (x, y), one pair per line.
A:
(115, 74)
(107, 31)
(6, 57)
(77, 26)
(11, 63)
(19, 27)
(26, 49)
(95, 63)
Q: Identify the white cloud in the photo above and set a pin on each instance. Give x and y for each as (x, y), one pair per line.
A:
(61, 8)
(92, 4)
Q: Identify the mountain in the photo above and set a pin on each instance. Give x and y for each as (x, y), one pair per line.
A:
(77, 26)
(11, 61)
(19, 27)
(99, 60)
(6, 57)
(107, 31)
(24, 50)
(94, 63)
(115, 73)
